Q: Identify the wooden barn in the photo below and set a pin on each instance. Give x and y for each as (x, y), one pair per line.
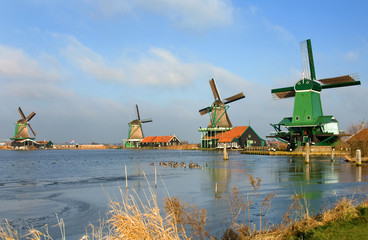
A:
(237, 137)
(160, 141)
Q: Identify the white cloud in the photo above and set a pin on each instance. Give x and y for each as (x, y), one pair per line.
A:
(91, 62)
(15, 64)
(351, 56)
(156, 67)
(161, 67)
(282, 33)
(187, 14)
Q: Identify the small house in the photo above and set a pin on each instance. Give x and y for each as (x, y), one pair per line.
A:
(160, 141)
(238, 137)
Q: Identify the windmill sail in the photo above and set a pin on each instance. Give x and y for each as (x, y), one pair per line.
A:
(341, 79)
(307, 59)
(234, 98)
(281, 93)
(215, 91)
(137, 112)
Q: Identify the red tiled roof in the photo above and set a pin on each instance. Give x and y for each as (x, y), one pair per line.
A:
(362, 135)
(236, 132)
(148, 139)
(161, 139)
(157, 139)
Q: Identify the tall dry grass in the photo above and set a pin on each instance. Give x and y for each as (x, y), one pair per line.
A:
(133, 219)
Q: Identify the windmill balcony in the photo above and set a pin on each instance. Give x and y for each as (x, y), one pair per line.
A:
(273, 134)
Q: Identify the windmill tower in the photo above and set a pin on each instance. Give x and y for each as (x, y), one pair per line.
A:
(308, 123)
(21, 134)
(219, 119)
(135, 135)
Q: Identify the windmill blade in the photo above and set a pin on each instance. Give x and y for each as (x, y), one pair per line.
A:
(234, 98)
(205, 110)
(137, 112)
(147, 120)
(21, 114)
(30, 116)
(343, 84)
(341, 79)
(215, 91)
(281, 93)
(307, 59)
(32, 130)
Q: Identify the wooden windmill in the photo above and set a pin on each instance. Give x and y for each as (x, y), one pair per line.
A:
(135, 134)
(308, 123)
(21, 126)
(219, 119)
(218, 109)
(21, 134)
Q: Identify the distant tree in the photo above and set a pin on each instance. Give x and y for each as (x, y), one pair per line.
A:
(354, 128)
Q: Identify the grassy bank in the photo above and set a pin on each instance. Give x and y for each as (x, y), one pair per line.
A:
(350, 223)
(135, 218)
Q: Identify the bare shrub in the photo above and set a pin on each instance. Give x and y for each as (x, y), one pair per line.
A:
(239, 205)
(185, 215)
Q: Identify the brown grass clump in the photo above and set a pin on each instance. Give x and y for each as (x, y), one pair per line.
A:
(344, 209)
(7, 232)
(132, 219)
(364, 202)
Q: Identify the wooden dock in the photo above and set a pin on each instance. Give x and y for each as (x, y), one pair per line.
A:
(294, 153)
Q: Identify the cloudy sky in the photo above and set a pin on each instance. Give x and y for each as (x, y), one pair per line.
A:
(83, 65)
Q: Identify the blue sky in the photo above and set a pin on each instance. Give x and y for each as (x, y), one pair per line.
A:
(83, 65)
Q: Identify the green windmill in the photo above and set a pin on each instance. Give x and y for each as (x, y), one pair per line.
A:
(308, 123)
(21, 127)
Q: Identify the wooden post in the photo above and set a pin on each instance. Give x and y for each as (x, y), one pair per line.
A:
(332, 155)
(307, 153)
(226, 156)
(358, 157)
(216, 188)
(126, 178)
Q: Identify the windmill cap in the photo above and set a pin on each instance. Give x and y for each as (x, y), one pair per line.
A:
(305, 84)
(218, 103)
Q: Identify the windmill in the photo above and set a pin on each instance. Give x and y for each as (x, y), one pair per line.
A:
(218, 109)
(219, 119)
(21, 127)
(308, 123)
(135, 134)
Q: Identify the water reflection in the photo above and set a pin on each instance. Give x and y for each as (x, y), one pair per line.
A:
(220, 176)
(358, 173)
